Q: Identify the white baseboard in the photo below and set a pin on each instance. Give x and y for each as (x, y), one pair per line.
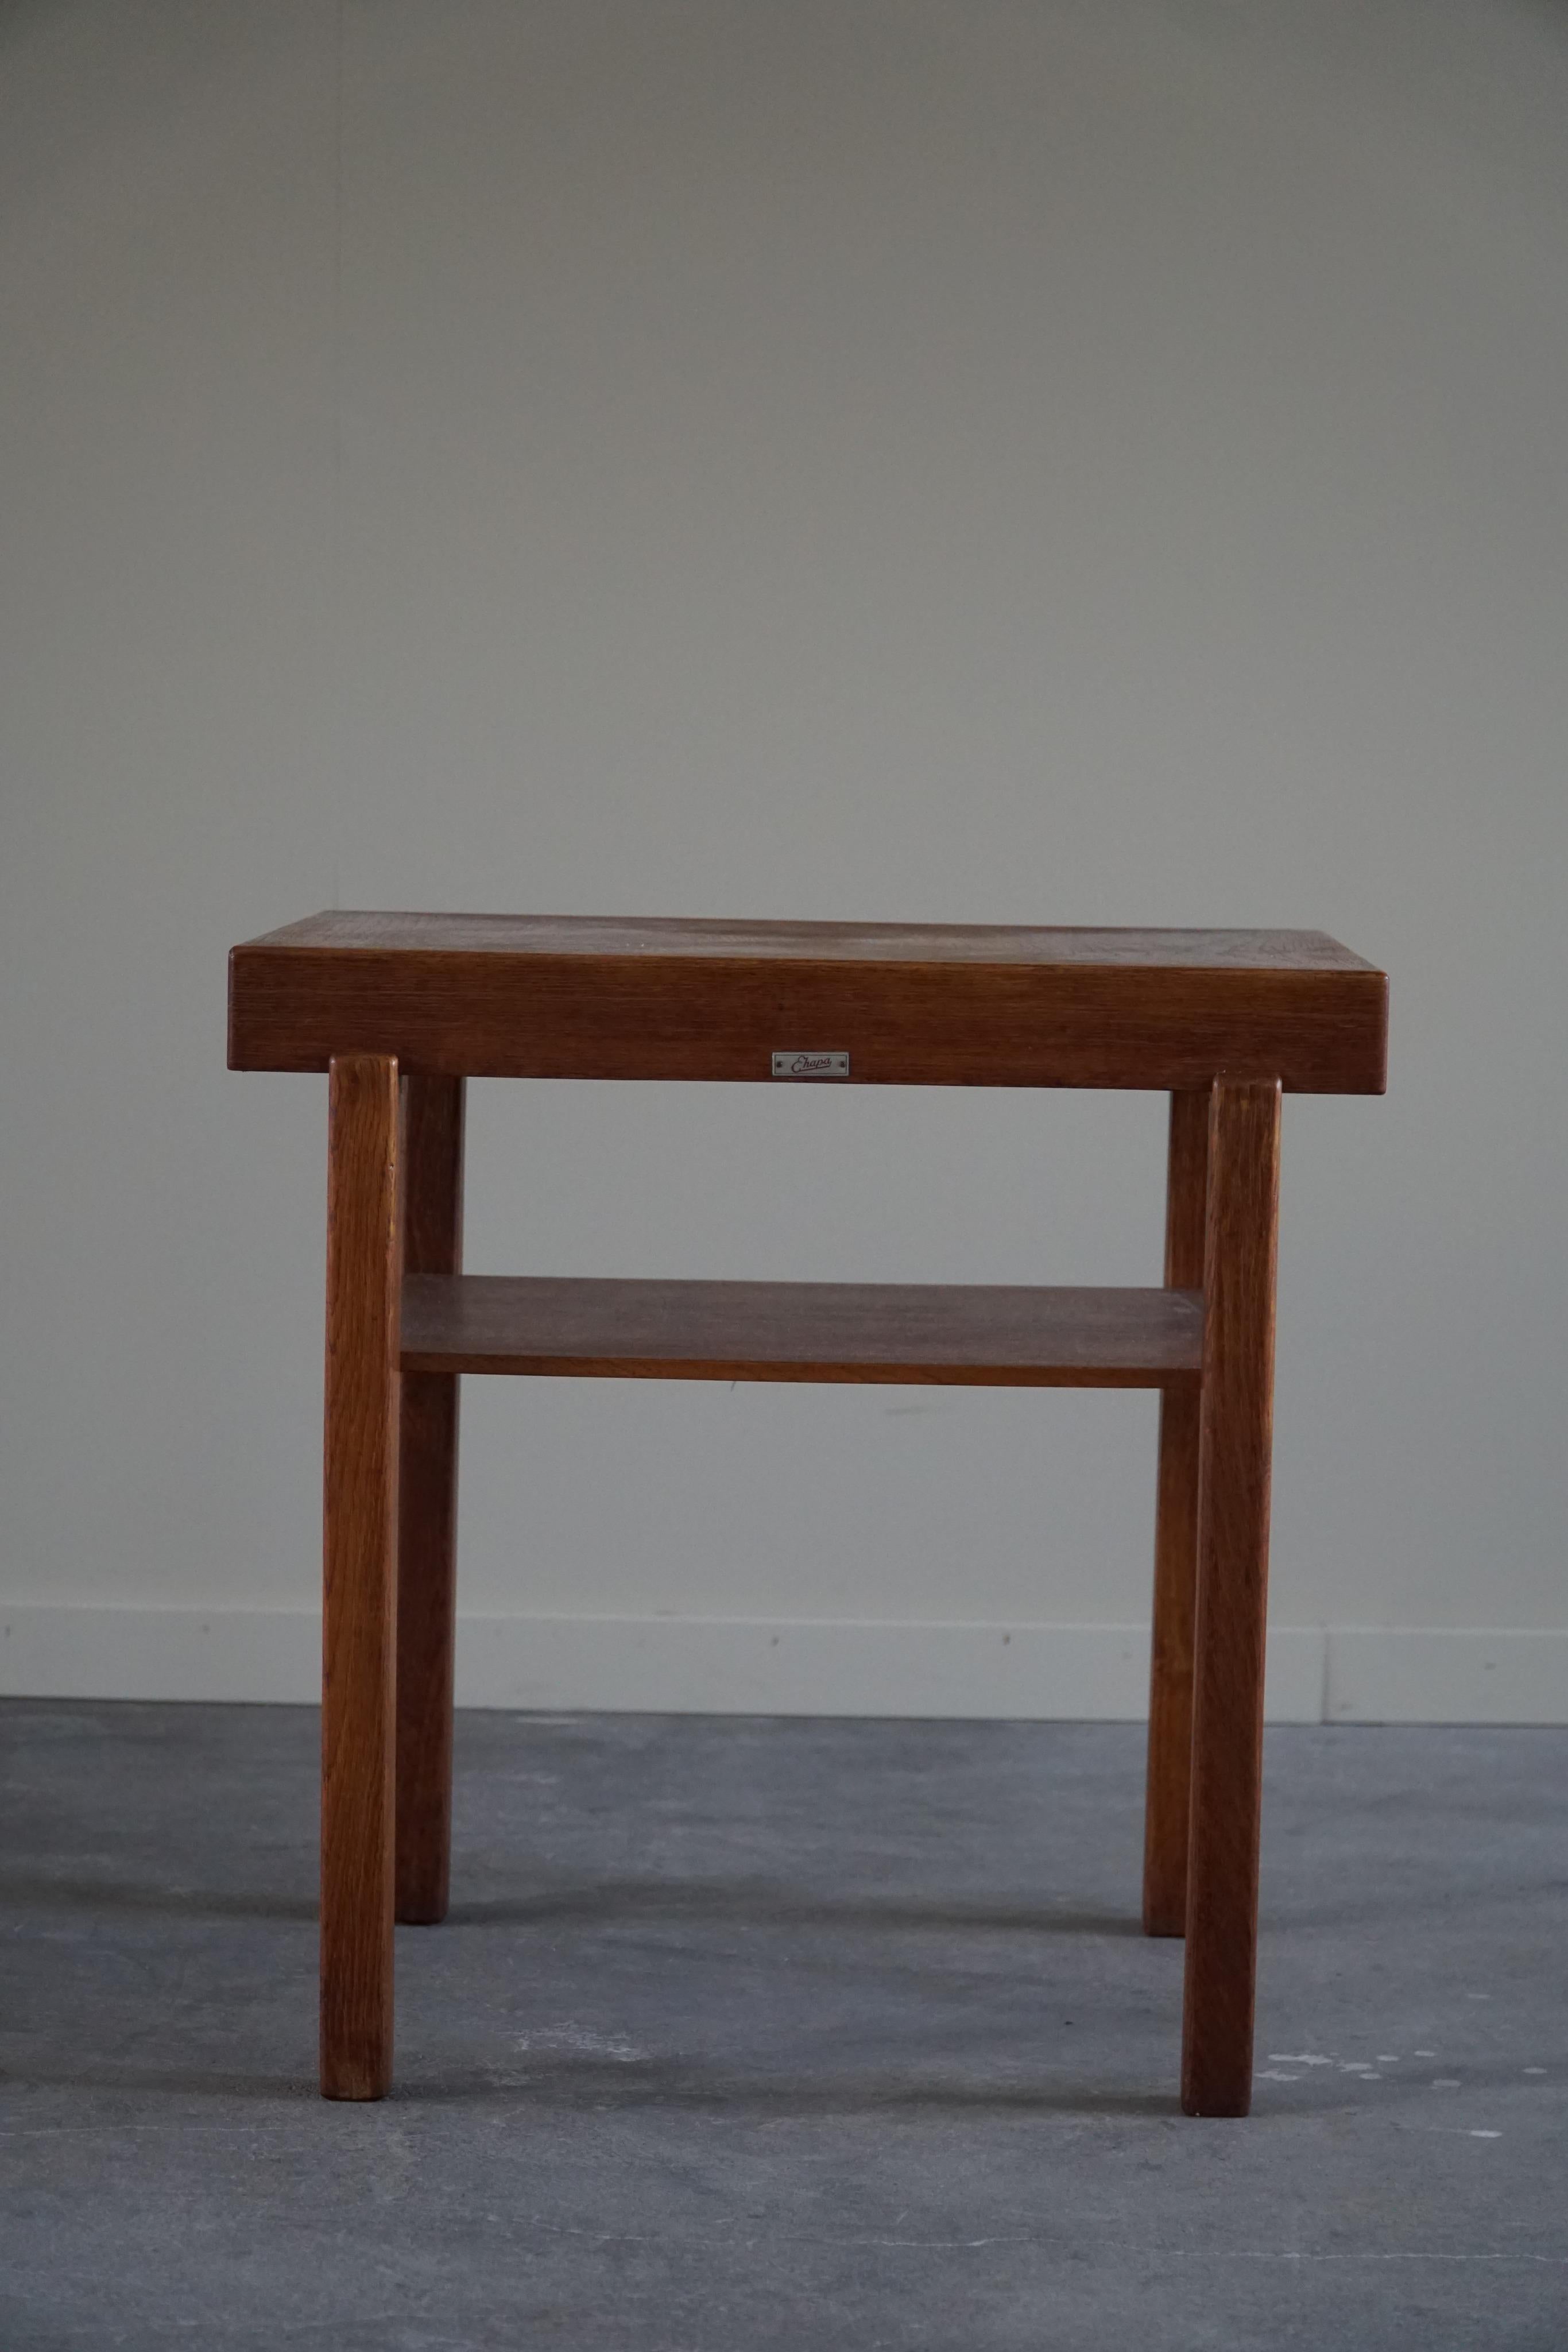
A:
(1379, 1674)
(1345, 1674)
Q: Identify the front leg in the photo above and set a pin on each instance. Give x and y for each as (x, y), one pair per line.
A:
(1234, 1467)
(360, 1592)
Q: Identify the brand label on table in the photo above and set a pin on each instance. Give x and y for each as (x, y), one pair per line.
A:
(811, 1066)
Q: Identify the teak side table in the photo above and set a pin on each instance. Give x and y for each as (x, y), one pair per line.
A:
(400, 1009)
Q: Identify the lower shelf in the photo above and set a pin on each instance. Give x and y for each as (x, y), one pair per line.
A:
(981, 1336)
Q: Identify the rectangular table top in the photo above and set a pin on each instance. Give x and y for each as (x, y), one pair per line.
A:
(890, 1004)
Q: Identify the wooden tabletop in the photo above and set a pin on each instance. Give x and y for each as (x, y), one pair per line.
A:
(889, 1004)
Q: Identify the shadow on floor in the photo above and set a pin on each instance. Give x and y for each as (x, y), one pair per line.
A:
(600, 2085)
(127, 1895)
(597, 1902)
(765, 1903)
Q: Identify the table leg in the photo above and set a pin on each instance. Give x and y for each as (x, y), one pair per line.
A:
(1237, 1427)
(360, 1600)
(427, 1514)
(1169, 1782)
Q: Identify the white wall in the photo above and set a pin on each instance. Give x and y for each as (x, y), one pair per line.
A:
(900, 459)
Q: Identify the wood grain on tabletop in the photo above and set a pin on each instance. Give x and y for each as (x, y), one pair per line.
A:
(533, 996)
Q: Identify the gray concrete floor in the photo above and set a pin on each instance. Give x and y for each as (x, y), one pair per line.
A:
(753, 2033)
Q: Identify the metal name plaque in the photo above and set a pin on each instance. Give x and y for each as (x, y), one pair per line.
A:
(811, 1066)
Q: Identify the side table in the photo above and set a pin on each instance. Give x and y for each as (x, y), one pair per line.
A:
(400, 1009)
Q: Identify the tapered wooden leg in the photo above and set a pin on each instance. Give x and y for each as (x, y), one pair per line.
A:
(1175, 1547)
(427, 1514)
(1232, 1590)
(359, 1606)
